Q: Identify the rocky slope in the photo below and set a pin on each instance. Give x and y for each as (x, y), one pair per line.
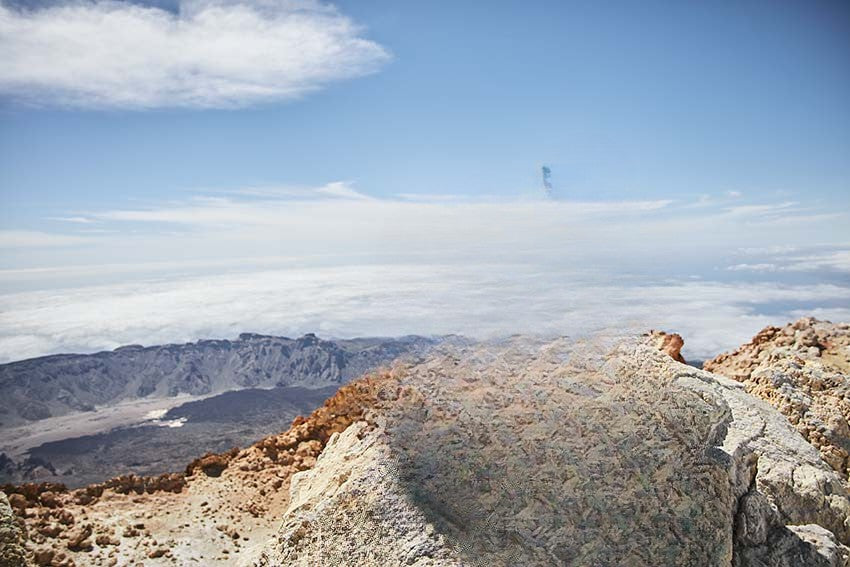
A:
(554, 453)
(224, 506)
(214, 424)
(12, 553)
(61, 384)
(525, 452)
(801, 369)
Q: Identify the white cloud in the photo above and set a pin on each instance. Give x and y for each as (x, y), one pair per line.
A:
(337, 262)
(480, 300)
(761, 210)
(342, 190)
(335, 219)
(764, 267)
(212, 53)
(795, 259)
(79, 220)
(838, 260)
(752, 251)
(37, 239)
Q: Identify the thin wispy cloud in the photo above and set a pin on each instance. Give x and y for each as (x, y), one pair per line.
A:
(796, 260)
(209, 54)
(340, 219)
(761, 210)
(78, 220)
(36, 239)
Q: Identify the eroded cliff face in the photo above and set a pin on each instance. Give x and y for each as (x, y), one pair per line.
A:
(523, 452)
(802, 370)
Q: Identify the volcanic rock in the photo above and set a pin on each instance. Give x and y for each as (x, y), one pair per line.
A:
(803, 370)
(12, 553)
(554, 453)
(521, 452)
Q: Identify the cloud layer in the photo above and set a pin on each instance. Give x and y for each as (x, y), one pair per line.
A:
(336, 261)
(482, 300)
(212, 53)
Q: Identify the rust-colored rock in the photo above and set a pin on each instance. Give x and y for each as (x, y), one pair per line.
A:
(105, 539)
(131, 532)
(669, 343)
(78, 538)
(44, 557)
(50, 530)
(65, 517)
(18, 502)
(212, 464)
(49, 499)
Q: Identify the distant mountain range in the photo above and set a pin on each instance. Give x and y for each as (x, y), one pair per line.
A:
(61, 384)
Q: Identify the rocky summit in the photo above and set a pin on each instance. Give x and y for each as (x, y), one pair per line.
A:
(530, 452)
(558, 453)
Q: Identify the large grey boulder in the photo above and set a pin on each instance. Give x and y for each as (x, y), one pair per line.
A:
(602, 452)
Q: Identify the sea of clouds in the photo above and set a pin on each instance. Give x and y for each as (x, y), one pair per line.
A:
(339, 263)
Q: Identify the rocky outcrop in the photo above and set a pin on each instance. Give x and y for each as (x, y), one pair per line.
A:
(802, 370)
(208, 515)
(669, 343)
(350, 510)
(212, 464)
(531, 453)
(11, 548)
(61, 384)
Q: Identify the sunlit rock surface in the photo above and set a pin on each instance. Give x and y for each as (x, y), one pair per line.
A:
(802, 370)
(605, 452)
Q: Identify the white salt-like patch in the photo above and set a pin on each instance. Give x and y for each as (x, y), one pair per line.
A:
(172, 423)
(156, 414)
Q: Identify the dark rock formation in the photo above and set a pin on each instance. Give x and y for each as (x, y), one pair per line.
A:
(60, 384)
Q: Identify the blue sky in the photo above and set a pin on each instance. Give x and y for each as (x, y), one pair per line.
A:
(364, 133)
(623, 99)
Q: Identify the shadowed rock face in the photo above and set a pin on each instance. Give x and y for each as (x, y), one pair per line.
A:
(61, 384)
(802, 370)
(535, 453)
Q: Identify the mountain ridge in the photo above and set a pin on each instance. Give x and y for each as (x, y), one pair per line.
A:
(61, 384)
